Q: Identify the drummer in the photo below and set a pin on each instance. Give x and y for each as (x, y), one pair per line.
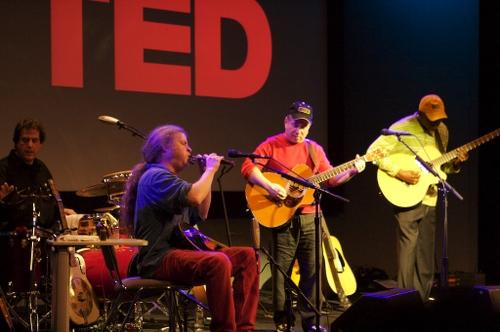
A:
(23, 183)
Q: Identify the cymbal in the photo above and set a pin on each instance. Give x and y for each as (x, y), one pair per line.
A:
(107, 209)
(102, 189)
(116, 176)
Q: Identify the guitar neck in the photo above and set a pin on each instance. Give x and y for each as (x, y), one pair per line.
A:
(326, 240)
(444, 158)
(59, 203)
(324, 176)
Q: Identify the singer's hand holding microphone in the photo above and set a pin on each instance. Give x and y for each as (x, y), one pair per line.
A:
(210, 160)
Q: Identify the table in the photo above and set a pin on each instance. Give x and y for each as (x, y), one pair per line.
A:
(60, 272)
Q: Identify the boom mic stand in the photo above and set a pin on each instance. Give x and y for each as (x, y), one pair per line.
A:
(443, 209)
(225, 169)
(289, 284)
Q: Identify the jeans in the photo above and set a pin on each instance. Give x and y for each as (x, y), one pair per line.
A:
(295, 240)
(233, 308)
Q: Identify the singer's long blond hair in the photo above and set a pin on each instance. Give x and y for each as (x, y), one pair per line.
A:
(158, 140)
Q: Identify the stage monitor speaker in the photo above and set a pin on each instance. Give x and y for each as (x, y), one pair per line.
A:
(388, 310)
(488, 297)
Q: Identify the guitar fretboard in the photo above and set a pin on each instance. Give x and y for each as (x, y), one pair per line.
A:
(322, 177)
(467, 147)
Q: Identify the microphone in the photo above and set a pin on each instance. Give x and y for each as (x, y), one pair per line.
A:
(198, 157)
(237, 154)
(386, 132)
(109, 120)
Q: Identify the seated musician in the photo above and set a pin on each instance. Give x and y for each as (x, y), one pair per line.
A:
(24, 184)
(156, 200)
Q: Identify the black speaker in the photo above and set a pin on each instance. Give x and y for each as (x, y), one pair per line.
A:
(389, 310)
(488, 297)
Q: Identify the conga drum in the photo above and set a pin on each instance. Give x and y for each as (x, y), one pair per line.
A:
(97, 272)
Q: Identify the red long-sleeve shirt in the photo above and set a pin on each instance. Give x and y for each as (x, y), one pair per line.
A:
(285, 156)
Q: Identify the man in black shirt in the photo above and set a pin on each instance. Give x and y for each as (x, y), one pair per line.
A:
(24, 193)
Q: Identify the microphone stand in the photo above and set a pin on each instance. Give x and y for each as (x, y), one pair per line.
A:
(317, 221)
(135, 132)
(443, 208)
(225, 170)
(289, 284)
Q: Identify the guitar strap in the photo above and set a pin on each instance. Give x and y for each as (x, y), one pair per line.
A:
(312, 155)
(442, 137)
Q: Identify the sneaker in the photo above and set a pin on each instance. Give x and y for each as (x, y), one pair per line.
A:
(283, 328)
(313, 328)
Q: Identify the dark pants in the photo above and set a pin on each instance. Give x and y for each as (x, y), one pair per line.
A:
(416, 245)
(295, 240)
(233, 308)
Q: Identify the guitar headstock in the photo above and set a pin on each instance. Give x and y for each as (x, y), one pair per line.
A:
(375, 154)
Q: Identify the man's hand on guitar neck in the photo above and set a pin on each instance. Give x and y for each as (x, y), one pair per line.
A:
(408, 176)
(462, 155)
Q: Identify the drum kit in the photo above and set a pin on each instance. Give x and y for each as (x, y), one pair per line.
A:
(27, 281)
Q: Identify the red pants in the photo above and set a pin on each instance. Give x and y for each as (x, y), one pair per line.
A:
(232, 308)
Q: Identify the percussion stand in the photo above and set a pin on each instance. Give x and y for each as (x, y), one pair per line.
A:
(33, 292)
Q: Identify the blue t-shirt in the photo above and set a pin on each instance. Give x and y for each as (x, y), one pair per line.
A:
(161, 204)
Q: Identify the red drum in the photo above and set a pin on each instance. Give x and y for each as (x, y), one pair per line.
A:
(97, 272)
(15, 257)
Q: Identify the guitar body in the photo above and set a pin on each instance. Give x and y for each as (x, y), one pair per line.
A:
(83, 309)
(189, 237)
(402, 194)
(272, 213)
(344, 272)
(345, 275)
(83, 306)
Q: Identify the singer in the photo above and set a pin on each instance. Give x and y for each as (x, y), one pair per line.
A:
(297, 237)
(156, 200)
(417, 224)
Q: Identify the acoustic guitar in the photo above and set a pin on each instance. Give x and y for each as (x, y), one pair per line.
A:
(337, 272)
(189, 237)
(402, 194)
(273, 213)
(83, 308)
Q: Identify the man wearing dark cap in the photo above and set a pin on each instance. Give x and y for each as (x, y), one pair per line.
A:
(296, 237)
(416, 224)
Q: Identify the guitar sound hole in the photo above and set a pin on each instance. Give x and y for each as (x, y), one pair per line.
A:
(290, 201)
(341, 259)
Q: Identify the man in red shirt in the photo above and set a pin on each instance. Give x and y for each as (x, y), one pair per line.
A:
(295, 238)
